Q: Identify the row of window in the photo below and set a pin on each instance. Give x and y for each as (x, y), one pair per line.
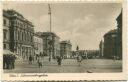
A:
(15, 23)
(20, 24)
(6, 46)
(23, 36)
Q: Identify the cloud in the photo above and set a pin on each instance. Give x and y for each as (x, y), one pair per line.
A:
(85, 32)
(83, 24)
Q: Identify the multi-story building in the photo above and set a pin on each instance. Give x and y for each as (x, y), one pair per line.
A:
(110, 44)
(65, 49)
(51, 46)
(113, 41)
(38, 45)
(119, 35)
(6, 31)
(21, 33)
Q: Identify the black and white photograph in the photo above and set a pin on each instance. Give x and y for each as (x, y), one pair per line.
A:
(62, 38)
(74, 81)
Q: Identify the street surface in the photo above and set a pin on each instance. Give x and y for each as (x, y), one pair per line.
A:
(69, 66)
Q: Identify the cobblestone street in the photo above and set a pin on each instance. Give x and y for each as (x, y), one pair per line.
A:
(69, 66)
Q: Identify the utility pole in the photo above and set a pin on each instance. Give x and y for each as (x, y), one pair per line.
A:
(49, 12)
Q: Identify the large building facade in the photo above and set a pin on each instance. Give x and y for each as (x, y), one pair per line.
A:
(21, 33)
(6, 31)
(110, 44)
(38, 45)
(113, 41)
(65, 49)
(51, 46)
(119, 35)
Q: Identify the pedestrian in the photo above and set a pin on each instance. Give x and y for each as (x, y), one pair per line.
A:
(49, 59)
(7, 61)
(114, 58)
(13, 61)
(79, 59)
(33, 58)
(40, 62)
(4, 61)
(30, 59)
(59, 60)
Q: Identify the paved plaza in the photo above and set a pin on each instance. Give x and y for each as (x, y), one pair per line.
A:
(69, 66)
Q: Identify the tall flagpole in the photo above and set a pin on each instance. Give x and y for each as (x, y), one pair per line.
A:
(50, 16)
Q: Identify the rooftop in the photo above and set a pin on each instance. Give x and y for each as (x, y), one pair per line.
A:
(49, 33)
(111, 32)
(13, 13)
(67, 42)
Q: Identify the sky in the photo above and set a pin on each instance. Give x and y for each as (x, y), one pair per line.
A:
(84, 24)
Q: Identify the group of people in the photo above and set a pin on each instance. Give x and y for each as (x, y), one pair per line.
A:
(58, 59)
(79, 60)
(9, 61)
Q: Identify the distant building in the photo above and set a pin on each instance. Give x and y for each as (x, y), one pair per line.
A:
(21, 33)
(89, 53)
(65, 49)
(6, 31)
(86, 54)
(101, 48)
(110, 44)
(51, 46)
(38, 45)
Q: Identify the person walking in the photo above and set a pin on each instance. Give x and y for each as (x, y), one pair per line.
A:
(30, 59)
(59, 60)
(114, 58)
(9, 66)
(10, 61)
(13, 61)
(40, 62)
(7, 61)
(4, 61)
(79, 60)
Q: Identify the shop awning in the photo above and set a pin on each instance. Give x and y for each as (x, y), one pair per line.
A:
(5, 52)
